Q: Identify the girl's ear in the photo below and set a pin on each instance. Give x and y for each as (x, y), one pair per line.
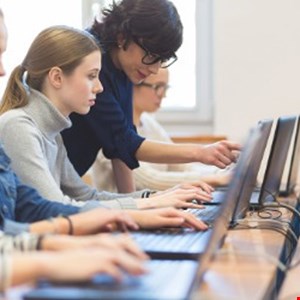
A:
(55, 76)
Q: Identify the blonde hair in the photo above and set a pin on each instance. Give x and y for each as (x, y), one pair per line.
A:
(60, 46)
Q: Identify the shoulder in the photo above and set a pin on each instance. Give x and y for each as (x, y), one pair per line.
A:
(15, 121)
(14, 116)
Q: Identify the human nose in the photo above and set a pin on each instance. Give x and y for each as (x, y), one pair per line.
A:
(98, 88)
(155, 67)
(162, 92)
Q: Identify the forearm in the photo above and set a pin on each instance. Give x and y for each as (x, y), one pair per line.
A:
(28, 267)
(158, 152)
(20, 268)
(78, 224)
(25, 268)
(53, 225)
(220, 154)
(123, 176)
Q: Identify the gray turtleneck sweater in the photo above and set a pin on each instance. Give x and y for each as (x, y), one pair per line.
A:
(31, 138)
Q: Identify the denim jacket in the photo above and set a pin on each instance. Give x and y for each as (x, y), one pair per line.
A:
(21, 204)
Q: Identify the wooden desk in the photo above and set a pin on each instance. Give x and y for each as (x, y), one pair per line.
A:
(291, 288)
(245, 269)
(201, 139)
(240, 276)
(291, 285)
(249, 269)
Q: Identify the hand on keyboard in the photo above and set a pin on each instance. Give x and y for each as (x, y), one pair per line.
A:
(182, 196)
(166, 217)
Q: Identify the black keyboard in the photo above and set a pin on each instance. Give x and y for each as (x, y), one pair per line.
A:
(207, 215)
(173, 240)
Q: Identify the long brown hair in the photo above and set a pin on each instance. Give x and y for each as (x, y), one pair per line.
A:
(60, 46)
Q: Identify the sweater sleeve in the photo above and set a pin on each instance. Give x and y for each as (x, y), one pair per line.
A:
(28, 157)
(22, 242)
(73, 185)
(30, 164)
(148, 176)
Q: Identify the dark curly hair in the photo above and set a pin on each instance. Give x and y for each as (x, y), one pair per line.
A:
(155, 22)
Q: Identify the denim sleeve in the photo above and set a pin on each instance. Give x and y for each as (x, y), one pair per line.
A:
(31, 207)
(14, 228)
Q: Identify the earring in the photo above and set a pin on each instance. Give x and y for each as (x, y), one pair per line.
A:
(119, 46)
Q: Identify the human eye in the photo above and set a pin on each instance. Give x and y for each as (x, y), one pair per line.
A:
(164, 60)
(155, 56)
(93, 76)
(150, 55)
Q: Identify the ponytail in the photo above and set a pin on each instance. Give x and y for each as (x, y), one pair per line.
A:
(15, 94)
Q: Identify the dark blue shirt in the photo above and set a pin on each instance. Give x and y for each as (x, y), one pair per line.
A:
(109, 124)
(21, 203)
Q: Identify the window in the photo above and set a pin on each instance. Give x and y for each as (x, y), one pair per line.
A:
(190, 98)
(25, 19)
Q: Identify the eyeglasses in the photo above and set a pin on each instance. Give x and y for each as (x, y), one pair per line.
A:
(159, 88)
(151, 58)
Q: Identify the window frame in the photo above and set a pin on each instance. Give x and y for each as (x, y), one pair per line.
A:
(202, 112)
(201, 115)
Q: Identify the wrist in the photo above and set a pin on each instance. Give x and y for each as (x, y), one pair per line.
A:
(56, 242)
(198, 153)
(70, 223)
(60, 225)
(152, 194)
(49, 242)
(50, 226)
(147, 194)
(145, 203)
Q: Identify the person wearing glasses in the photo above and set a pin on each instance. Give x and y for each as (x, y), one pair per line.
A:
(147, 99)
(30, 222)
(138, 37)
(53, 81)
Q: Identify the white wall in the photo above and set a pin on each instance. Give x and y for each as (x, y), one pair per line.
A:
(256, 57)
(25, 19)
(256, 62)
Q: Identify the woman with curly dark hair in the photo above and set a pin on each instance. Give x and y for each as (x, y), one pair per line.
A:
(138, 37)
